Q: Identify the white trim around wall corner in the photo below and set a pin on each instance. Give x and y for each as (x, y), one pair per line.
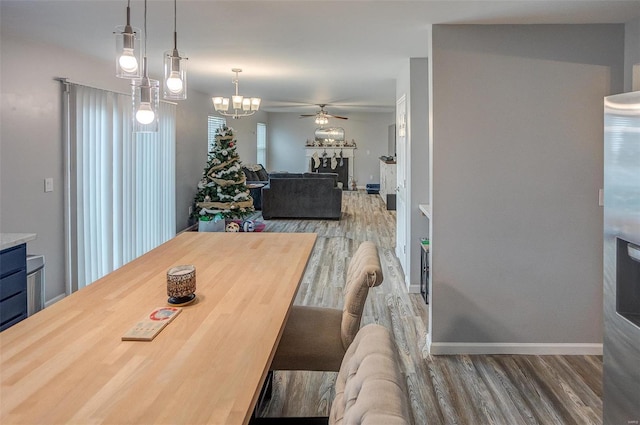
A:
(566, 349)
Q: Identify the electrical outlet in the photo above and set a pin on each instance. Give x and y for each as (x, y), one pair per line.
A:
(190, 210)
(48, 184)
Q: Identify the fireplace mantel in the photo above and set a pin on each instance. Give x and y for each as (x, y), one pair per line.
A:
(347, 152)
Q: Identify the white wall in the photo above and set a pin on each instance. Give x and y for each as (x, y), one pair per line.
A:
(245, 131)
(418, 166)
(31, 146)
(191, 151)
(287, 134)
(632, 56)
(413, 81)
(517, 164)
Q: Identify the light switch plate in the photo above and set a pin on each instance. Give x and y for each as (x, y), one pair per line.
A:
(48, 184)
(601, 197)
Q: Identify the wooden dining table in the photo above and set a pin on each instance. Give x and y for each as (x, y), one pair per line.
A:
(68, 363)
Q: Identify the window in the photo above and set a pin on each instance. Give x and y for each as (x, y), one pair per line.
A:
(214, 124)
(119, 186)
(261, 148)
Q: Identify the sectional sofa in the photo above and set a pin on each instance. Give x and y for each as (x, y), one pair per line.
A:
(302, 195)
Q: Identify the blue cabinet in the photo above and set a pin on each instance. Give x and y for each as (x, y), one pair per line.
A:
(13, 285)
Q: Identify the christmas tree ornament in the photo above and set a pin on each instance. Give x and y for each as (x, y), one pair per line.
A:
(248, 226)
(232, 227)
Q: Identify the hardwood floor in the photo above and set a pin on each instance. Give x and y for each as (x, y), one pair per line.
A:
(462, 389)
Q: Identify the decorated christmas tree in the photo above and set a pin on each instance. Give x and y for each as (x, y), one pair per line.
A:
(222, 193)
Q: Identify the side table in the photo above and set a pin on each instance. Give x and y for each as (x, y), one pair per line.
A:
(255, 189)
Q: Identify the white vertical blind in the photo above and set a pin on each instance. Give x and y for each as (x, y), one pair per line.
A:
(214, 123)
(122, 185)
(261, 148)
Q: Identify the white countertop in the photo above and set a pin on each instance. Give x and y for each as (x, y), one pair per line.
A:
(8, 240)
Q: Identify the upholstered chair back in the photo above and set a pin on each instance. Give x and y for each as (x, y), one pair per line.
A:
(370, 387)
(364, 272)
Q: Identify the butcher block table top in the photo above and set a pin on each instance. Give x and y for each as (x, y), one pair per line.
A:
(67, 364)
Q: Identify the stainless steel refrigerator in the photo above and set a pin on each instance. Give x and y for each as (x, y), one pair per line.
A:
(621, 380)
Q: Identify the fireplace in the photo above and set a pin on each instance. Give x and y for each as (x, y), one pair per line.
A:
(345, 172)
(341, 170)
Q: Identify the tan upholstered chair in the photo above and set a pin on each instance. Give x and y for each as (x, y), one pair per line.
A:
(316, 338)
(370, 388)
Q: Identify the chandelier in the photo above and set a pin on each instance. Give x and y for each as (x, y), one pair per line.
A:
(241, 106)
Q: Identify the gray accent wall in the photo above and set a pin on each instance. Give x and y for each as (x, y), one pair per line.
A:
(517, 150)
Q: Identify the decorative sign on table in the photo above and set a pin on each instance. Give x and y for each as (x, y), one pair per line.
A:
(147, 328)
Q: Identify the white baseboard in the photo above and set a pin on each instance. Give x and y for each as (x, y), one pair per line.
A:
(54, 300)
(443, 348)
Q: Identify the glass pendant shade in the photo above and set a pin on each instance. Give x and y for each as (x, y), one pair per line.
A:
(146, 101)
(255, 103)
(175, 76)
(128, 63)
(237, 102)
(221, 103)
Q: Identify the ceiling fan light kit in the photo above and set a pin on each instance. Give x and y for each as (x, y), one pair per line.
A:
(322, 116)
(322, 119)
(241, 106)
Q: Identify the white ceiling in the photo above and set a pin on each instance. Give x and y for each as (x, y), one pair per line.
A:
(293, 53)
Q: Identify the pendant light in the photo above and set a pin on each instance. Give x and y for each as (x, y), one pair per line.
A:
(145, 94)
(175, 73)
(127, 49)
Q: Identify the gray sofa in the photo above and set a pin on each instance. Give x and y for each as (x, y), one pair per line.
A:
(297, 195)
(255, 173)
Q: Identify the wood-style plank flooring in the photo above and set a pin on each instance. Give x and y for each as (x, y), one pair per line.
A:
(461, 389)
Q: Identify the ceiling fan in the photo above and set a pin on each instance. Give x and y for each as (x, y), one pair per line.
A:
(322, 116)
